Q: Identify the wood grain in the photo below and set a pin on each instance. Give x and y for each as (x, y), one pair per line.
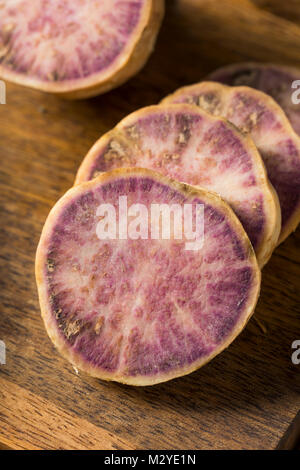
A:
(245, 398)
(240, 26)
(31, 422)
(289, 10)
(291, 438)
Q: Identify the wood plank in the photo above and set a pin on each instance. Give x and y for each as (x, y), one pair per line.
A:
(240, 27)
(289, 10)
(31, 422)
(291, 438)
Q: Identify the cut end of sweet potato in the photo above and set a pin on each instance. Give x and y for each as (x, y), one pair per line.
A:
(143, 311)
(192, 146)
(76, 48)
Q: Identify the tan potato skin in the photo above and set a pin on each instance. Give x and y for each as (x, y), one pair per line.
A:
(295, 220)
(61, 344)
(132, 59)
(272, 231)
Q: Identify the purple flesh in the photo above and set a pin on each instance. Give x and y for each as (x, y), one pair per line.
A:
(275, 80)
(143, 307)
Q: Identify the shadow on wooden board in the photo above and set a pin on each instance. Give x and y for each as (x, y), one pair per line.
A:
(291, 438)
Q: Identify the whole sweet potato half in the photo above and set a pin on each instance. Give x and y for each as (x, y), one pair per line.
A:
(143, 310)
(76, 48)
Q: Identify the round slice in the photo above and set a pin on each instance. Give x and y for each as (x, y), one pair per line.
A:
(76, 48)
(257, 114)
(143, 310)
(275, 80)
(192, 146)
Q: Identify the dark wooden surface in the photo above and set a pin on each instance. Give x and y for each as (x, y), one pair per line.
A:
(291, 438)
(246, 397)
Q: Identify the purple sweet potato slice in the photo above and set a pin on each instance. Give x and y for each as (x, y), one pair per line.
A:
(143, 311)
(192, 146)
(275, 80)
(257, 114)
(76, 48)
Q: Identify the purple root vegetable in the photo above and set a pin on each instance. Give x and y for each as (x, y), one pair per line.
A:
(275, 80)
(192, 146)
(143, 311)
(258, 115)
(76, 48)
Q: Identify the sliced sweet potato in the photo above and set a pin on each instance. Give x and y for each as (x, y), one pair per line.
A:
(192, 146)
(76, 48)
(275, 80)
(142, 311)
(257, 114)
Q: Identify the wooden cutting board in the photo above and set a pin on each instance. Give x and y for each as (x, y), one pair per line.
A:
(247, 396)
